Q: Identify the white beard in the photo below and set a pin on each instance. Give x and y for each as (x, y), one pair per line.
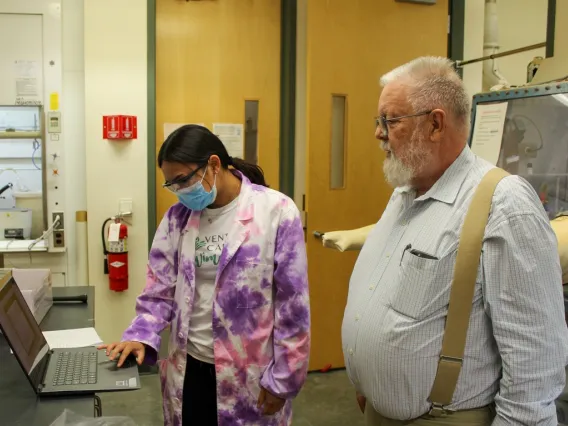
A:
(399, 173)
(396, 173)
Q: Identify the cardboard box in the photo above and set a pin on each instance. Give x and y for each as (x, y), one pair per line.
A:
(36, 287)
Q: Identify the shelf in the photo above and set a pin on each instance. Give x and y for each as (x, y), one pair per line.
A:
(21, 246)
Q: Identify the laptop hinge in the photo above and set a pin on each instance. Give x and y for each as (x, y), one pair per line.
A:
(42, 373)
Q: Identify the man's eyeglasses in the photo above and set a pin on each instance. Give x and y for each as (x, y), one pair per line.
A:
(181, 182)
(383, 122)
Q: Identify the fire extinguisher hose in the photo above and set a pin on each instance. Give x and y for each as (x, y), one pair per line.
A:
(105, 251)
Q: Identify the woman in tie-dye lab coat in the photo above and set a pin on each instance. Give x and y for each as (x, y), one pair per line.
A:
(227, 271)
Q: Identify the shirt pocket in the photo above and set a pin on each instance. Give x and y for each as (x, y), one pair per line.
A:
(254, 285)
(423, 286)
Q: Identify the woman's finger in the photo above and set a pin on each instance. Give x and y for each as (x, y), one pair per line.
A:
(108, 348)
(140, 354)
(125, 352)
(117, 349)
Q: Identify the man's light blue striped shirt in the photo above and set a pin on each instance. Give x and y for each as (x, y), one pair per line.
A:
(517, 344)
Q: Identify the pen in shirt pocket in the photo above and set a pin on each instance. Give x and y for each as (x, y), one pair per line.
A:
(417, 253)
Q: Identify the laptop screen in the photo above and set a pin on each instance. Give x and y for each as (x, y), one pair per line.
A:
(20, 328)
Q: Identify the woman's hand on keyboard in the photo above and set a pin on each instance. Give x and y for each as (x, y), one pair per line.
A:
(124, 349)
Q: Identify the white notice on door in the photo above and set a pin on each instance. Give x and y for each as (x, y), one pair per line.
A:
(488, 131)
(232, 136)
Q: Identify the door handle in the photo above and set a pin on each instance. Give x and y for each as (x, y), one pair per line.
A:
(319, 235)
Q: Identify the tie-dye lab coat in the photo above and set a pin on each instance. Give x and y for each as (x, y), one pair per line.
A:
(261, 315)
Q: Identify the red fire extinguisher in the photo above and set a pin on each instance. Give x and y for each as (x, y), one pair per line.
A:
(116, 254)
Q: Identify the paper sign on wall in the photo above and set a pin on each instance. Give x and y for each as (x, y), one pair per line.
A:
(26, 74)
(488, 131)
(169, 128)
(26, 87)
(232, 136)
(25, 69)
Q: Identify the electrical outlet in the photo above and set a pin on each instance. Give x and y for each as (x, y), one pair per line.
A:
(61, 225)
(59, 239)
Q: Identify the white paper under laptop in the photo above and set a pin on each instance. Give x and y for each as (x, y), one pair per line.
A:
(74, 338)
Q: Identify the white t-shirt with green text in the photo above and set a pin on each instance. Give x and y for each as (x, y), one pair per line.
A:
(214, 228)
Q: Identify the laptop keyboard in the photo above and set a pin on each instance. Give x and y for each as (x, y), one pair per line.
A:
(75, 368)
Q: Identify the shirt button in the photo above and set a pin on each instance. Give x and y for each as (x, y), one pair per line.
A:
(371, 287)
(187, 299)
(180, 335)
(350, 351)
(388, 255)
(180, 367)
(357, 317)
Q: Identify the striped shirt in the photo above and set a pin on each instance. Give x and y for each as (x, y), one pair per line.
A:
(517, 344)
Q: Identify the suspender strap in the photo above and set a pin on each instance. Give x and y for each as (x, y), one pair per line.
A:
(461, 292)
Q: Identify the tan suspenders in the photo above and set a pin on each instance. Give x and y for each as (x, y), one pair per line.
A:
(461, 293)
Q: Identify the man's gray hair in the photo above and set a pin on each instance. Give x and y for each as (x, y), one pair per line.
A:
(434, 83)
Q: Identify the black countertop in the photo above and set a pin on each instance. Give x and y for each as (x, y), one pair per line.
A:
(19, 405)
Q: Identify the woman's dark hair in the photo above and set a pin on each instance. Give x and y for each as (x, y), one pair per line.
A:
(193, 144)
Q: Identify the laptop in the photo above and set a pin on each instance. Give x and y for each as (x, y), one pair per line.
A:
(53, 372)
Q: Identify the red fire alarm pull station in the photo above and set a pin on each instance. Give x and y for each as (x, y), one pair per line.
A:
(119, 127)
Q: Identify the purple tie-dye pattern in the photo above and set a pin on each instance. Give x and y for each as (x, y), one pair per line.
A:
(260, 313)
(242, 319)
(246, 412)
(248, 255)
(219, 329)
(226, 388)
(228, 418)
(294, 316)
(265, 283)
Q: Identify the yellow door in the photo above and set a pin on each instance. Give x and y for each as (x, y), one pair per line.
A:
(211, 57)
(350, 44)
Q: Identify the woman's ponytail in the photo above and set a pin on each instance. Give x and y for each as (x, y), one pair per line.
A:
(253, 172)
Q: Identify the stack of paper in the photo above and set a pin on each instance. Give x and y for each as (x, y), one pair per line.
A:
(74, 338)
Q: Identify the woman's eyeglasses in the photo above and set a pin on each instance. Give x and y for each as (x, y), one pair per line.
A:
(181, 182)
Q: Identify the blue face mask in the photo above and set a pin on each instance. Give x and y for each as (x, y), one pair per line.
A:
(196, 197)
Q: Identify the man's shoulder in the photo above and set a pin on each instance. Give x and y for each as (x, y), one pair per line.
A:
(513, 195)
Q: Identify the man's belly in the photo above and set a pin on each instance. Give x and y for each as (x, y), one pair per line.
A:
(393, 361)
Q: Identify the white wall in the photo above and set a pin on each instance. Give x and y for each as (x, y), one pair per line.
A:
(519, 26)
(105, 71)
(116, 83)
(473, 44)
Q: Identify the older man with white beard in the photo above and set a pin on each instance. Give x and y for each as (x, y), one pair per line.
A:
(516, 346)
